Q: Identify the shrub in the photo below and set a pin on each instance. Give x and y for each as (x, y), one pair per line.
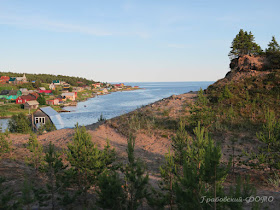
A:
(19, 124)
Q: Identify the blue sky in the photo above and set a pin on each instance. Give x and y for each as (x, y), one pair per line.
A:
(144, 40)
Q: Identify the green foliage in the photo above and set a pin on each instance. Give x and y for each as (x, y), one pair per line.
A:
(48, 78)
(270, 136)
(189, 188)
(273, 60)
(274, 180)
(241, 190)
(19, 124)
(203, 174)
(135, 178)
(54, 170)
(41, 100)
(101, 118)
(202, 99)
(6, 195)
(87, 161)
(36, 158)
(27, 197)
(273, 46)
(179, 143)
(168, 172)
(111, 193)
(244, 44)
(5, 143)
(48, 126)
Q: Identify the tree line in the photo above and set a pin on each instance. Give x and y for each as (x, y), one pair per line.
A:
(48, 78)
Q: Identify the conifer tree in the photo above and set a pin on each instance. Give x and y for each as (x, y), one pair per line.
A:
(135, 178)
(212, 171)
(202, 175)
(189, 188)
(54, 170)
(87, 161)
(270, 136)
(168, 173)
(110, 192)
(202, 99)
(36, 158)
(179, 143)
(244, 44)
(273, 46)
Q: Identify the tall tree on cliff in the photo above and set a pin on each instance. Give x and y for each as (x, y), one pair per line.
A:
(244, 44)
(273, 46)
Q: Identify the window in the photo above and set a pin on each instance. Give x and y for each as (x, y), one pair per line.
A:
(40, 120)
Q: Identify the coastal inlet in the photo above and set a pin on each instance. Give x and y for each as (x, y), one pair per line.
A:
(118, 103)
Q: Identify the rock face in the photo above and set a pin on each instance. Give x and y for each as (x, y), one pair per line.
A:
(243, 67)
(247, 63)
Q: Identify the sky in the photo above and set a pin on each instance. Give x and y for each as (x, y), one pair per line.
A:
(130, 41)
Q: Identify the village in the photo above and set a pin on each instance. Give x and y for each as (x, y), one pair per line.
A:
(20, 95)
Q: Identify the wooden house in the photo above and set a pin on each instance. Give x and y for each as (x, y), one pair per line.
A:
(71, 96)
(25, 98)
(51, 86)
(31, 104)
(53, 102)
(44, 114)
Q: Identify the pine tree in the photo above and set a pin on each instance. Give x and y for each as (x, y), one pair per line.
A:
(213, 172)
(54, 170)
(27, 197)
(179, 143)
(36, 157)
(271, 138)
(202, 99)
(135, 178)
(273, 46)
(168, 173)
(110, 191)
(202, 173)
(189, 189)
(244, 44)
(87, 161)
(199, 143)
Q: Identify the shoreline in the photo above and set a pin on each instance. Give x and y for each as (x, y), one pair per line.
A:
(85, 99)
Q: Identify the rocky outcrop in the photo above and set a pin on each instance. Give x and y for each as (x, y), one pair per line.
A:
(243, 67)
(247, 63)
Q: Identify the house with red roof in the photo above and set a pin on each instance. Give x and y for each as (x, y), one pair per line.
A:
(4, 79)
(24, 99)
(45, 91)
(53, 102)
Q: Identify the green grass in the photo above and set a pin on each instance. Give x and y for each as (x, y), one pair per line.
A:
(7, 110)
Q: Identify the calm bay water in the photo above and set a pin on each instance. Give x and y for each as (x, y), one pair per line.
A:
(119, 103)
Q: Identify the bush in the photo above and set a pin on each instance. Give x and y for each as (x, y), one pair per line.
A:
(19, 124)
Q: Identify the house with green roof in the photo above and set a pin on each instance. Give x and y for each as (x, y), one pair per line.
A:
(11, 95)
(56, 82)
